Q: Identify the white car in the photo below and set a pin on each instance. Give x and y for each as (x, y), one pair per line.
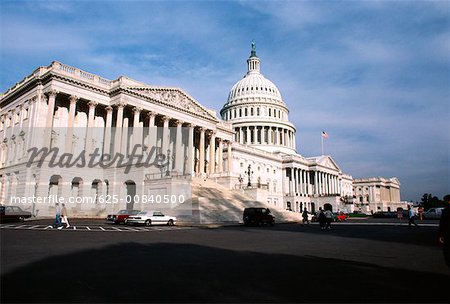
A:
(149, 218)
(433, 213)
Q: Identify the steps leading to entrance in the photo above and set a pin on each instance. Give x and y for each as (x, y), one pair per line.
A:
(213, 203)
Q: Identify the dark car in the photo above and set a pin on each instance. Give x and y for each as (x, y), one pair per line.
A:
(121, 216)
(258, 216)
(385, 214)
(13, 214)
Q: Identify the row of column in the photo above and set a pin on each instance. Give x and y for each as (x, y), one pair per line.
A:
(245, 112)
(208, 155)
(323, 183)
(265, 135)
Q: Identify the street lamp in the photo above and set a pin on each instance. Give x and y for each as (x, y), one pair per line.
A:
(168, 163)
(249, 173)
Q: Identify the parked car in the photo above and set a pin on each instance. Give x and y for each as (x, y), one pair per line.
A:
(433, 213)
(258, 216)
(13, 214)
(341, 217)
(121, 216)
(385, 214)
(149, 218)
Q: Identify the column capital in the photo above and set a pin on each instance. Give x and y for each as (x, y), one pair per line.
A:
(109, 109)
(165, 118)
(178, 122)
(92, 104)
(73, 98)
(137, 110)
(150, 114)
(120, 104)
(52, 93)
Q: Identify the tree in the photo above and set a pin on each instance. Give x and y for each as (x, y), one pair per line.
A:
(429, 201)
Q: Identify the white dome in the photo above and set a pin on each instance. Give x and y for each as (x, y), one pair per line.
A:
(254, 85)
(257, 112)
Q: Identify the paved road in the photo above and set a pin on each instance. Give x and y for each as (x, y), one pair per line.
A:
(285, 263)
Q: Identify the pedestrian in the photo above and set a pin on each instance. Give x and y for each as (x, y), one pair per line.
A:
(444, 232)
(305, 217)
(420, 210)
(321, 218)
(400, 213)
(329, 218)
(57, 222)
(411, 217)
(64, 215)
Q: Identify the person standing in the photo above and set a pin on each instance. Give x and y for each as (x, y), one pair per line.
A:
(444, 232)
(305, 217)
(329, 218)
(64, 215)
(420, 210)
(411, 217)
(57, 222)
(321, 218)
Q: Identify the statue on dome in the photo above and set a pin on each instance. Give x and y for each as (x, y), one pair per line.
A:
(253, 46)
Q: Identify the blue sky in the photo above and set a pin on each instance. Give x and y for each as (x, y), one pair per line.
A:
(375, 74)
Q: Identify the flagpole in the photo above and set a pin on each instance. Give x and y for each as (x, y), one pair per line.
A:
(321, 137)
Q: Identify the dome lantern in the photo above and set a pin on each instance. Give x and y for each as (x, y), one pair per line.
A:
(253, 61)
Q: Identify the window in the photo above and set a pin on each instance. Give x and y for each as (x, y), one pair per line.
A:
(246, 113)
(240, 112)
(257, 111)
(251, 111)
(270, 112)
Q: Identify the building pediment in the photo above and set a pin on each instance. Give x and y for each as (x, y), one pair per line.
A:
(325, 161)
(174, 98)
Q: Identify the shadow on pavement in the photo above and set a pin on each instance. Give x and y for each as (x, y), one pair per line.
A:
(422, 236)
(131, 272)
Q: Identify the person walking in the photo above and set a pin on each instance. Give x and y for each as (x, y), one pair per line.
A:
(329, 218)
(64, 215)
(305, 217)
(57, 222)
(411, 217)
(321, 218)
(444, 232)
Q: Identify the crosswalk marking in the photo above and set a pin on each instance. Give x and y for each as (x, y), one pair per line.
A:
(95, 228)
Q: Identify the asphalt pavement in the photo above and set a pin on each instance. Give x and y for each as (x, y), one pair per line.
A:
(285, 263)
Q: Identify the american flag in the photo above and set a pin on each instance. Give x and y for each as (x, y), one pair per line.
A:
(324, 134)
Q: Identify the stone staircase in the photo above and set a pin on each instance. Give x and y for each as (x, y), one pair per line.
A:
(213, 203)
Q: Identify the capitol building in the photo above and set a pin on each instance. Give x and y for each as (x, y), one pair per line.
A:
(68, 133)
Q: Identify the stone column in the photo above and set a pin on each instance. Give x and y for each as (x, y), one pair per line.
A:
(294, 146)
(178, 149)
(300, 177)
(90, 125)
(269, 135)
(119, 123)
(107, 134)
(165, 135)
(152, 132)
(229, 157)
(277, 137)
(220, 156)
(263, 135)
(248, 139)
(241, 135)
(316, 183)
(72, 108)
(190, 155)
(255, 134)
(201, 159)
(212, 153)
(137, 131)
(49, 119)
